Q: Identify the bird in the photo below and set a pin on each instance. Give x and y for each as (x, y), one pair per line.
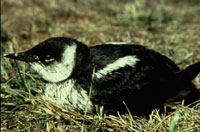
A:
(116, 76)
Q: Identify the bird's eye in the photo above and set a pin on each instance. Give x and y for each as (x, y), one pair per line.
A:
(48, 59)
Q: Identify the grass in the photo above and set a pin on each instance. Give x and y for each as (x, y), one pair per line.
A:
(170, 27)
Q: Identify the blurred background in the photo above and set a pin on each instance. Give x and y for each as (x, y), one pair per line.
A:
(171, 27)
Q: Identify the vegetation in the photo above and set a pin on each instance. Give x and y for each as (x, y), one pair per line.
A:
(169, 27)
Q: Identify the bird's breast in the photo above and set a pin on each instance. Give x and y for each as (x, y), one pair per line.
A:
(68, 95)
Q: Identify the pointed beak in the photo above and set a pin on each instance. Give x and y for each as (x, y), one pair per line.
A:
(23, 57)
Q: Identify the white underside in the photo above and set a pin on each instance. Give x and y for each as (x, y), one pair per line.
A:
(67, 96)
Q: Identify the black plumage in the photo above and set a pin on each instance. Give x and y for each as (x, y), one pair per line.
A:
(145, 85)
(154, 79)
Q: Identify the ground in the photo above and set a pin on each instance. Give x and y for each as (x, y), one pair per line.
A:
(171, 27)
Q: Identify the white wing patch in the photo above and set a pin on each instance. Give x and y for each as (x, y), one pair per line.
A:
(120, 63)
(117, 43)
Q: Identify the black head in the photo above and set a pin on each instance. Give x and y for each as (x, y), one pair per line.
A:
(54, 59)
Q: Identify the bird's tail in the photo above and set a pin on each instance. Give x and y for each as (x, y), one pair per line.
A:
(185, 78)
(189, 73)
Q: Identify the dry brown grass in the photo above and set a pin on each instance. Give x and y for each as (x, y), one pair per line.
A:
(170, 27)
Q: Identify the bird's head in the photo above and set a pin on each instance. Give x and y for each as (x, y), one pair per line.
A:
(54, 59)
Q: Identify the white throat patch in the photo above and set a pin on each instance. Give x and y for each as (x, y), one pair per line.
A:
(120, 63)
(66, 95)
(58, 71)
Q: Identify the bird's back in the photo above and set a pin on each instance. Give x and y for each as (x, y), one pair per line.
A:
(142, 78)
